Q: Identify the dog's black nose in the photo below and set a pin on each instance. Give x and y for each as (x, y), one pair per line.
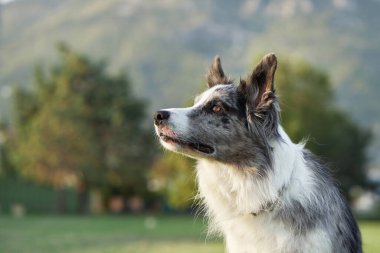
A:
(161, 116)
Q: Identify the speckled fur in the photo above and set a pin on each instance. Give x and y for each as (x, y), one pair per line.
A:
(261, 192)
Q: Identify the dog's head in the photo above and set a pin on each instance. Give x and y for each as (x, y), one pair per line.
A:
(228, 123)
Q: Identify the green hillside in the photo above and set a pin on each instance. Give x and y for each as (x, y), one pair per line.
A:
(166, 46)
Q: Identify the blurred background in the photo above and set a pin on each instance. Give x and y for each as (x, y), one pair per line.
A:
(80, 168)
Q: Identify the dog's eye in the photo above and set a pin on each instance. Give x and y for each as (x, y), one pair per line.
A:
(217, 108)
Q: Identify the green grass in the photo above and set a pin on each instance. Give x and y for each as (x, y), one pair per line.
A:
(371, 236)
(122, 234)
(92, 234)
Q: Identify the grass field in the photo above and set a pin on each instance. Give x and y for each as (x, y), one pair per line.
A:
(122, 234)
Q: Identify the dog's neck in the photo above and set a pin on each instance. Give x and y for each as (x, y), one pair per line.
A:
(229, 191)
(270, 205)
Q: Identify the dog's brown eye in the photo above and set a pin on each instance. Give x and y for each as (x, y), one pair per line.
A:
(217, 108)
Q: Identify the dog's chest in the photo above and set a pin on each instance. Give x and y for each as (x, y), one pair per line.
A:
(230, 198)
(229, 212)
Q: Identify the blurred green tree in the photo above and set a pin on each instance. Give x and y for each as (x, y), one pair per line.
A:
(6, 168)
(173, 176)
(81, 126)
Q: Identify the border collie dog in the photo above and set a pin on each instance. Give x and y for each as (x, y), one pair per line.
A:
(261, 191)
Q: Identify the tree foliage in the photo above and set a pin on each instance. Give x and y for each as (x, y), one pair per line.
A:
(173, 176)
(80, 125)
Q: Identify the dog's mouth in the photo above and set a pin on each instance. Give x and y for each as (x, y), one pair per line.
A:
(197, 146)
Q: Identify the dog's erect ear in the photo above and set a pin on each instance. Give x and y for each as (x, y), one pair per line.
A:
(258, 90)
(216, 74)
(258, 87)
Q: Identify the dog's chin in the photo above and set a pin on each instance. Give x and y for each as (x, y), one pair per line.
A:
(191, 149)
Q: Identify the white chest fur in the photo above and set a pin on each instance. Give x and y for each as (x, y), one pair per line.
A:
(232, 194)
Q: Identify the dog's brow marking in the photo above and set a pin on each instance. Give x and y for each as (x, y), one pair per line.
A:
(206, 95)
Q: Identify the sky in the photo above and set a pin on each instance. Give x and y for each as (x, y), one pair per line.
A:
(6, 1)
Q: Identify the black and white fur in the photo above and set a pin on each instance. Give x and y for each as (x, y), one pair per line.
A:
(261, 191)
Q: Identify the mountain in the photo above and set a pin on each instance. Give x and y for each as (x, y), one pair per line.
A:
(166, 46)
